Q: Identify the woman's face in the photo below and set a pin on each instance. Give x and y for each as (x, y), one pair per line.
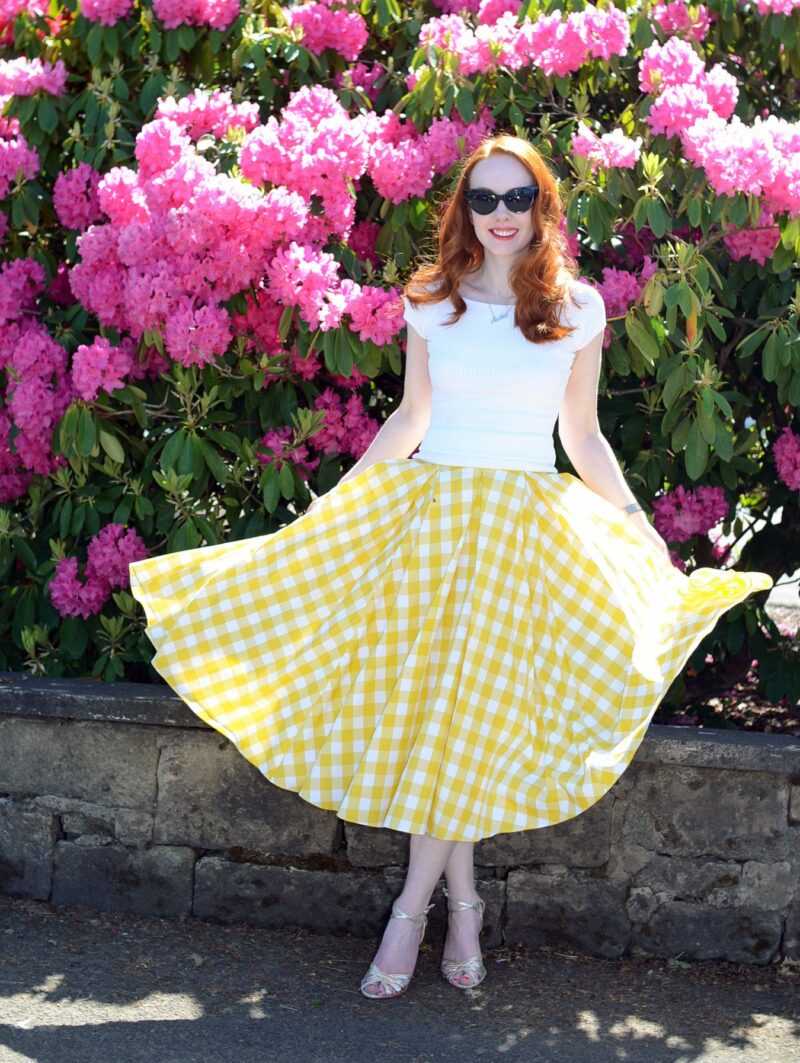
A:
(501, 173)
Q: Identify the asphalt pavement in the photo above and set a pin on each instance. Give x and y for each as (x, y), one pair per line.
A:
(82, 986)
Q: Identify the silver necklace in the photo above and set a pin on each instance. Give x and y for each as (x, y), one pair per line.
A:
(499, 317)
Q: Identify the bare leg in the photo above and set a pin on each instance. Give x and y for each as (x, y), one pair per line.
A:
(400, 943)
(462, 939)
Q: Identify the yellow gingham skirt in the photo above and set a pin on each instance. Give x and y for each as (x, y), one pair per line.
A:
(443, 650)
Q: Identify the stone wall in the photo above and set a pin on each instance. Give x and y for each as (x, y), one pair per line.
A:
(115, 796)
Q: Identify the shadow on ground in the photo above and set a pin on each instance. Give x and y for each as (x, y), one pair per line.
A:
(80, 986)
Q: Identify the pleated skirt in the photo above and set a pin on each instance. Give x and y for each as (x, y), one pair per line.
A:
(456, 651)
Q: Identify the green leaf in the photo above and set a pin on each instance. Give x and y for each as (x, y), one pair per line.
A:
(87, 432)
(218, 468)
(112, 446)
(48, 116)
(24, 552)
(286, 479)
(465, 105)
(696, 453)
(74, 637)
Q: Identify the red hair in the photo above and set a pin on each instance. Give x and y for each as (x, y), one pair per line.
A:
(539, 280)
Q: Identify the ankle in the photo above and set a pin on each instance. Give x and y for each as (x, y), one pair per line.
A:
(463, 890)
(410, 903)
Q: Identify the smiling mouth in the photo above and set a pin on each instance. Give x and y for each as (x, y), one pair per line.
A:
(504, 234)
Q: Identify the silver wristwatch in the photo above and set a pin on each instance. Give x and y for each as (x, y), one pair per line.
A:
(632, 507)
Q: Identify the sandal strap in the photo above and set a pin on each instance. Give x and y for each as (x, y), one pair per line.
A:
(472, 966)
(419, 917)
(390, 983)
(454, 905)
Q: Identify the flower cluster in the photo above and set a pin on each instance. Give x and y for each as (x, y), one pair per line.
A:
(99, 366)
(610, 149)
(684, 90)
(554, 44)
(682, 513)
(757, 243)
(674, 17)
(341, 30)
(204, 112)
(23, 77)
(16, 156)
(218, 14)
(75, 197)
(106, 12)
(786, 449)
(107, 558)
(181, 240)
(38, 388)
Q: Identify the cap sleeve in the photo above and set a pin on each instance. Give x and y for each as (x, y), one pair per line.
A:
(591, 316)
(415, 316)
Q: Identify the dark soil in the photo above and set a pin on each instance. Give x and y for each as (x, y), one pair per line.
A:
(743, 707)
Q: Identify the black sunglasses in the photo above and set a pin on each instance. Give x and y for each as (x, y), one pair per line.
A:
(518, 200)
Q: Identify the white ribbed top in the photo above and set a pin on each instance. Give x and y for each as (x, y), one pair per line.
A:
(495, 395)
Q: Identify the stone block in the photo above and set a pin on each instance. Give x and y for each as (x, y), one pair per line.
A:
(723, 883)
(155, 881)
(114, 765)
(702, 932)
(75, 824)
(582, 841)
(375, 846)
(356, 902)
(687, 811)
(27, 837)
(566, 909)
(132, 827)
(211, 797)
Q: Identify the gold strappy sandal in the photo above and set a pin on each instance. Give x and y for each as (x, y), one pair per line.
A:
(473, 967)
(393, 984)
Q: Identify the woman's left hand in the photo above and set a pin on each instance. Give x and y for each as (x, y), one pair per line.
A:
(645, 528)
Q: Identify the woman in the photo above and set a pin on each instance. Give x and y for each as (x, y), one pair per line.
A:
(469, 642)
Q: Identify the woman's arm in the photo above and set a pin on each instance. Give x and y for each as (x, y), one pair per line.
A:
(586, 446)
(402, 432)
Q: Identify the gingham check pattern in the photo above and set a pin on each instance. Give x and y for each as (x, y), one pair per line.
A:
(448, 650)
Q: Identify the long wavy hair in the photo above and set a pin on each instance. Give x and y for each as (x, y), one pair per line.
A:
(539, 280)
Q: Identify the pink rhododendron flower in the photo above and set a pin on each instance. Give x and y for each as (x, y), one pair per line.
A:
(197, 335)
(757, 244)
(786, 449)
(109, 554)
(75, 197)
(341, 30)
(106, 12)
(16, 156)
(218, 14)
(72, 597)
(347, 428)
(99, 366)
(204, 112)
(21, 281)
(682, 513)
(24, 77)
(610, 149)
(675, 18)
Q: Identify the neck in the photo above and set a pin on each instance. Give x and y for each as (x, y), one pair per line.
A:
(492, 277)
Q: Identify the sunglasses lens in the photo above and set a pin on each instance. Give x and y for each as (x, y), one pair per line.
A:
(520, 201)
(481, 202)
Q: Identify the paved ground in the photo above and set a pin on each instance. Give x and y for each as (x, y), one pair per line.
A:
(79, 986)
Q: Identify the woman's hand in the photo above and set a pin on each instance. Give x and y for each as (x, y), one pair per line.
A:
(645, 528)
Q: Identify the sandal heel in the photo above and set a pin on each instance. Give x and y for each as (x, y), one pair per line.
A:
(393, 984)
(472, 967)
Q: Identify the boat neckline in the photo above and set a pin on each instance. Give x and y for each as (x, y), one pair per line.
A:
(484, 302)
